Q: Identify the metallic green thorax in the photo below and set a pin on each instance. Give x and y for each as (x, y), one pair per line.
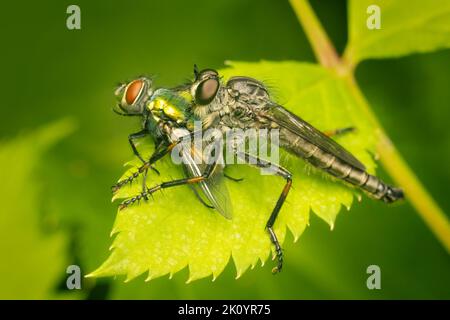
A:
(171, 106)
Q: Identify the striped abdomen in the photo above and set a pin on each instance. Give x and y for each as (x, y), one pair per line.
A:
(340, 169)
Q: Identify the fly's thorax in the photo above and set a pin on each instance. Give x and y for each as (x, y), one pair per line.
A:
(247, 99)
(246, 86)
(166, 106)
(245, 111)
(235, 104)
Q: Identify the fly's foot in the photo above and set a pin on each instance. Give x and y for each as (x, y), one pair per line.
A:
(143, 195)
(278, 251)
(123, 182)
(142, 169)
(129, 202)
(279, 266)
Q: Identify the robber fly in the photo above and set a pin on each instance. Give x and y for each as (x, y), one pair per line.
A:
(244, 102)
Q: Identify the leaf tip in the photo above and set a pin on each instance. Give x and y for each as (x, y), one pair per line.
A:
(149, 277)
(128, 279)
(115, 197)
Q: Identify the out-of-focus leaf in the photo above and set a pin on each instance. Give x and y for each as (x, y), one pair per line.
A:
(175, 230)
(32, 261)
(407, 26)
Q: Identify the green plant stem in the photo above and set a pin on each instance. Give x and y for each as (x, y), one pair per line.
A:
(399, 170)
(322, 47)
(391, 159)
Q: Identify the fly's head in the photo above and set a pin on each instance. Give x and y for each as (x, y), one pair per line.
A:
(133, 96)
(206, 92)
(205, 87)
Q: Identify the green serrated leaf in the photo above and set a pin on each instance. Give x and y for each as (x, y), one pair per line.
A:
(33, 261)
(407, 26)
(175, 230)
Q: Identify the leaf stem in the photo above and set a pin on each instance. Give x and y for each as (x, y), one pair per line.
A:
(323, 48)
(391, 159)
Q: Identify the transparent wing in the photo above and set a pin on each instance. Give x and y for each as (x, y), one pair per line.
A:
(296, 125)
(213, 188)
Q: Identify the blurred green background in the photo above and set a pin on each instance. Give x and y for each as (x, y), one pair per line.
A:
(50, 73)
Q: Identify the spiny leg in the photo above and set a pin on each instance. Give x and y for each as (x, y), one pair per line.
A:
(280, 171)
(160, 152)
(144, 168)
(339, 131)
(131, 139)
(144, 182)
(168, 184)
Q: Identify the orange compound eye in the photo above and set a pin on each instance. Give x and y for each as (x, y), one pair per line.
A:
(133, 91)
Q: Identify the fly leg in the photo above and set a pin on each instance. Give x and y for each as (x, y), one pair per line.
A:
(282, 172)
(178, 182)
(339, 131)
(159, 153)
(144, 168)
(131, 139)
